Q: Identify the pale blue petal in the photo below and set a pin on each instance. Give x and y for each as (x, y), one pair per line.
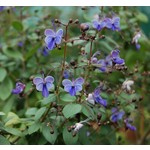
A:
(78, 88)
(49, 79)
(66, 82)
(38, 80)
(39, 87)
(79, 81)
(49, 85)
(67, 88)
(49, 32)
(59, 33)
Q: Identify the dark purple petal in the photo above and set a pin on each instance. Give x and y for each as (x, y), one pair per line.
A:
(96, 92)
(108, 23)
(118, 60)
(97, 25)
(72, 91)
(115, 53)
(117, 116)
(45, 91)
(79, 81)
(116, 22)
(50, 42)
(66, 82)
(49, 32)
(129, 126)
(66, 74)
(19, 88)
(101, 101)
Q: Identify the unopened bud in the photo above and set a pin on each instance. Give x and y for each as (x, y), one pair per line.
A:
(76, 21)
(84, 27)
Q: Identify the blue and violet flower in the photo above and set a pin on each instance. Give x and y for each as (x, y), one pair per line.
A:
(44, 84)
(116, 115)
(73, 86)
(53, 38)
(19, 88)
(128, 122)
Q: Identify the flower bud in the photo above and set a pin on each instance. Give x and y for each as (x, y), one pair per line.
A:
(84, 27)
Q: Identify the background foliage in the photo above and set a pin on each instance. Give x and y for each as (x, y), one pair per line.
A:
(21, 58)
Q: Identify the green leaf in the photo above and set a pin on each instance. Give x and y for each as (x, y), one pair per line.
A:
(67, 98)
(12, 119)
(5, 88)
(13, 53)
(13, 131)
(39, 113)
(46, 131)
(31, 111)
(17, 25)
(34, 127)
(71, 109)
(68, 138)
(87, 111)
(3, 141)
(3, 74)
(142, 17)
(2, 113)
(31, 52)
(49, 99)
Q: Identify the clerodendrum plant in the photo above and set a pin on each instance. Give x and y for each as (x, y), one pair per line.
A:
(80, 105)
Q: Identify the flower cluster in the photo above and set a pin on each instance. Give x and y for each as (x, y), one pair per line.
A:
(19, 88)
(109, 23)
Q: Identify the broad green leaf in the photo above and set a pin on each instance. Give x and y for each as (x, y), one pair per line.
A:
(142, 17)
(87, 111)
(31, 52)
(68, 138)
(71, 109)
(49, 99)
(13, 131)
(3, 141)
(39, 113)
(17, 25)
(34, 127)
(12, 119)
(31, 111)
(13, 53)
(5, 88)
(3, 74)
(46, 131)
(67, 98)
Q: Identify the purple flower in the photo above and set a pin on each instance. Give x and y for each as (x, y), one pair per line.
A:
(44, 84)
(66, 74)
(20, 44)
(19, 88)
(112, 23)
(53, 38)
(99, 25)
(98, 98)
(116, 115)
(116, 58)
(128, 125)
(73, 86)
(45, 52)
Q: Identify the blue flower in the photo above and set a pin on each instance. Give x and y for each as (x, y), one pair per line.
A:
(98, 98)
(44, 84)
(19, 88)
(53, 38)
(2, 8)
(105, 63)
(20, 44)
(112, 23)
(116, 58)
(73, 86)
(99, 25)
(66, 74)
(116, 115)
(128, 125)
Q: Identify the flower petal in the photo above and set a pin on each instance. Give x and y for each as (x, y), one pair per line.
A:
(39, 87)
(49, 32)
(72, 91)
(45, 91)
(66, 82)
(67, 88)
(50, 42)
(58, 40)
(79, 81)
(59, 33)
(38, 80)
(78, 88)
(49, 79)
